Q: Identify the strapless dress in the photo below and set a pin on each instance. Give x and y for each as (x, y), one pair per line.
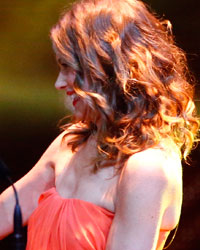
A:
(67, 224)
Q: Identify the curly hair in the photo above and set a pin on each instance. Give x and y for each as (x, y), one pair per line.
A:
(139, 83)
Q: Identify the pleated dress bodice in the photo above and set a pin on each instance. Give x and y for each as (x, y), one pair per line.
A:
(67, 224)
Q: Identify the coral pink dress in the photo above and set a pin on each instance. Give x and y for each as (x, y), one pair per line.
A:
(67, 224)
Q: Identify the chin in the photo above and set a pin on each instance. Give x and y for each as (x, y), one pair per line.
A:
(68, 104)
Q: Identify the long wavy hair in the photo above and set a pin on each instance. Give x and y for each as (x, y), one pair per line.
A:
(139, 83)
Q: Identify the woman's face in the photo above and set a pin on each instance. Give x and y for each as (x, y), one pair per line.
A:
(65, 82)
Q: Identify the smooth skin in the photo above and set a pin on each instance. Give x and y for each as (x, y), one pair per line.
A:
(146, 197)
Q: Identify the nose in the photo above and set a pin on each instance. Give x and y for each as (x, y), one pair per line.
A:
(61, 82)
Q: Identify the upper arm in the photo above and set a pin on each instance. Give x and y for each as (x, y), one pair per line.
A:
(141, 202)
(37, 180)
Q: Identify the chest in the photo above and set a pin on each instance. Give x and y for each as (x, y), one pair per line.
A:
(74, 178)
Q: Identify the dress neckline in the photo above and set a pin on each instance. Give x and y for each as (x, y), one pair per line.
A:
(54, 190)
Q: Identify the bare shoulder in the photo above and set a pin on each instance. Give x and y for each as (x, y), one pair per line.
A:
(156, 164)
(148, 200)
(40, 178)
(154, 175)
(56, 146)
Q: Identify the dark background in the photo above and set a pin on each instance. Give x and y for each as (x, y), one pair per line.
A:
(30, 107)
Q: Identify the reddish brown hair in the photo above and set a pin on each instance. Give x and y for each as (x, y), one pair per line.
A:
(138, 78)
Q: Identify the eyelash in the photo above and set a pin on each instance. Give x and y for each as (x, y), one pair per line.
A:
(64, 65)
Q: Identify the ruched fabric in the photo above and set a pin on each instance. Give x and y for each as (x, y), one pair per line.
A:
(67, 224)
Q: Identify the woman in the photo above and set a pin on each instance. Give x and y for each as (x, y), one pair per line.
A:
(112, 180)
